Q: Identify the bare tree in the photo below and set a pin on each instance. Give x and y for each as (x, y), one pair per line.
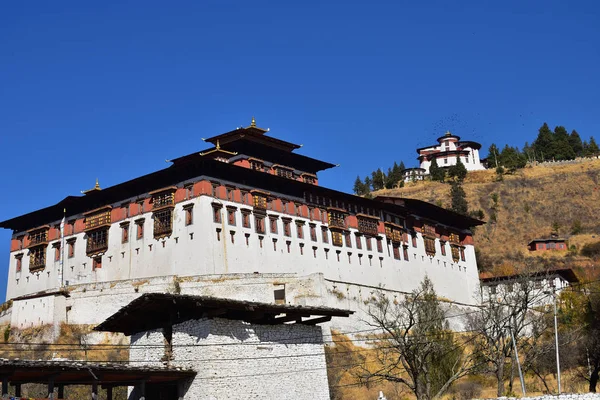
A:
(417, 348)
(516, 305)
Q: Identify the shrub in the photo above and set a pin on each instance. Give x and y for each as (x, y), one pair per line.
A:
(591, 250)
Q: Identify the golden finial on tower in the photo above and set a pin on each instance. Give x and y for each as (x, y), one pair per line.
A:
(253, 123)
(448, 133)
(218, 145)
(94, 189)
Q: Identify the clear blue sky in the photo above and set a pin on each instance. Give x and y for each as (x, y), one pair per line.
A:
(112, 89)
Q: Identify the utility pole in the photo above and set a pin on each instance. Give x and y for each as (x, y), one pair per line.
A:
(553, 294)
(556, 341)
(518, 362)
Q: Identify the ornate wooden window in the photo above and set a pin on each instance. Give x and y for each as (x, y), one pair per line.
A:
(393, 232)
(97, 241)
(455, 252)
(309, 178)
(358, 241)
(37, 258)
(38, 237)
(163, 223)
(163, 198)
(369, 243)
(429, 246)
(99, 218)
(336, 218)
(259, 200)
(255, 164)
(405, 251)
(454, 238)
(379, 244)
(367, 224)
(337, 239)
(429, 230)
(462, 253)
(443, 247)
(284, 172)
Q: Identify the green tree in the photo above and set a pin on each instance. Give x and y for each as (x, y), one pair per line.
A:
(591, 149)
(368, 184)
(360, 188)
(512, 159)
(543, 144)
(458, 199)
(437, 174)
(378, 179)
(389, 178)
(561, 147)
(576, 144)
(458, 172)
(426, 367)
(493, 154)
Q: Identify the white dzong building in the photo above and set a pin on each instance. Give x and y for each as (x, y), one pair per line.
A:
(448, 150)
(244, 219)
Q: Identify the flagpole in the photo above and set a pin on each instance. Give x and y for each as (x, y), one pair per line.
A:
(62, 249)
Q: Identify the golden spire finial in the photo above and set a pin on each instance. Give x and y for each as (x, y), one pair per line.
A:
(448, 133)
(97, 186)
(218, 145)
(253, 123)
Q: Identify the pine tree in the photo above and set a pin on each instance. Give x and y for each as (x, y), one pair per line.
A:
(543, 144)
(493, 156)
(575, 142)
(591, 149)
(401, 167)
(390, 179)
(378, 179)
(458, 172)
(459, 199)
(359, 187)
(436, 173)
(512, 159)
(368, 185)
(561, 148)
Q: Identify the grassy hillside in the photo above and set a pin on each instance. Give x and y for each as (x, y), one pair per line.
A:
(525, 206)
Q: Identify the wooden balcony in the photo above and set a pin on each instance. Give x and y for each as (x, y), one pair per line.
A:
(367, 224)
(97, 218)
(37, 263)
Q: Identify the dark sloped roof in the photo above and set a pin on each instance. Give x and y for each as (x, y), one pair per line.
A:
(156, 310)
(546, 240)
(431, 211)
(255, 134)
(84, 373)
(203, 166)
(566, 273)
(264, 152)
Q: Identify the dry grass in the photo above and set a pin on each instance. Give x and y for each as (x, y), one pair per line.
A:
(529, 203)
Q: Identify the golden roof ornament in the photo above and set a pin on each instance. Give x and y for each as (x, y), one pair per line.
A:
(253, 122)
(94, 189)
(448, 133)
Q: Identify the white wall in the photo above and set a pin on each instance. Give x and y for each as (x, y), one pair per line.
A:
(195, 250)
(236, 360)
